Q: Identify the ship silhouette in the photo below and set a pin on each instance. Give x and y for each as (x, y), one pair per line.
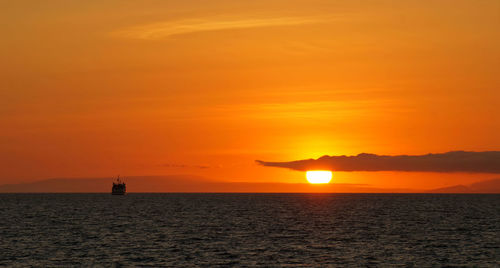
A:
(119, 187)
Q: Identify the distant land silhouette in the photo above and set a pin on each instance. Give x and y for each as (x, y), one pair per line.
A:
(187, 184)
(487, 186)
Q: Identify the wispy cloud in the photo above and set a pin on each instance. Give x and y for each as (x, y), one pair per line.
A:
(163, 30)
(186, 166)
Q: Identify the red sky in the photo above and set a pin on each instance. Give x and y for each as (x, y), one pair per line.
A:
(95, 89)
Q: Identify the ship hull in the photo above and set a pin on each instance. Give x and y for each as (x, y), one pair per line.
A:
(119, 187)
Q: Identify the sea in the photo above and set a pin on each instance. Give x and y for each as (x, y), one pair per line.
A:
(250, 230)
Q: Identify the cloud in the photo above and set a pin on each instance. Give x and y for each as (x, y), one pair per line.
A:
(457, 161)
(163, 30)
(186, 166)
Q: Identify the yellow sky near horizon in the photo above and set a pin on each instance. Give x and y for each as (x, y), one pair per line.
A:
(99, 88)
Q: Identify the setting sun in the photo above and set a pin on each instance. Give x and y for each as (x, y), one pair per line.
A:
(319, 176)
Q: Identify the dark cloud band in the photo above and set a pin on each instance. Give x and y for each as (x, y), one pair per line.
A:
(457, 161)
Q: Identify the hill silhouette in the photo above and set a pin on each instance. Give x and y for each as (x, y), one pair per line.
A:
(193, 184)
(482, 187)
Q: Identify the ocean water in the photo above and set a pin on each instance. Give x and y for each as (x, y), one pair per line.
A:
(337, 230)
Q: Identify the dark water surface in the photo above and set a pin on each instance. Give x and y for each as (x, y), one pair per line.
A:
(249, 230)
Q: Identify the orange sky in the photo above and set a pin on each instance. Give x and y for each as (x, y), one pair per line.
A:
(99, 88)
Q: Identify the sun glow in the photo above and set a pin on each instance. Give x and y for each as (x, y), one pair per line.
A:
(319, 176)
